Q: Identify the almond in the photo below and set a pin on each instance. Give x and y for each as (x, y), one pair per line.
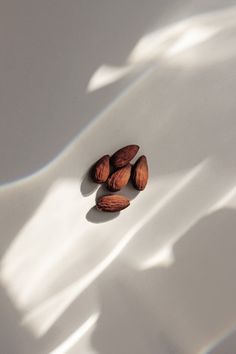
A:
(140, 173)
(123, 156)
(101, 169)
(119, 179)
(112, 203)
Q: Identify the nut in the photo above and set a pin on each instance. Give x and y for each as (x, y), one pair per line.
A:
(119, 179)
(140, 173)
(101, 169)
(123, 156)
(112, 203)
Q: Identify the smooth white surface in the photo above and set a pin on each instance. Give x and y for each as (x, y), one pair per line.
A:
(159, 277)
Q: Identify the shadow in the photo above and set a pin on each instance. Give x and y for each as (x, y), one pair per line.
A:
(176, 309)
(14, 338)
(126, 324)
(77, 313)
(129, 191)
(102, 190)
(97, 217)
(88, 186)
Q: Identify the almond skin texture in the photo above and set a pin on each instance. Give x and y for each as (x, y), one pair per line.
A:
(123, 156)
(119, 179)
(140, 173)
(112, 203)
(101, 169)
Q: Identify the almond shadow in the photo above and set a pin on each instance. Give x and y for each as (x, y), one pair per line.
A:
(97, 217)
(128, 191)
(88, 186)
(102, 190)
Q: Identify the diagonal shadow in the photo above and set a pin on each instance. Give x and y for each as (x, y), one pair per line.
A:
(177, 309)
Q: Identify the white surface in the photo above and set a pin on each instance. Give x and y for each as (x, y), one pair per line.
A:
(159, 277)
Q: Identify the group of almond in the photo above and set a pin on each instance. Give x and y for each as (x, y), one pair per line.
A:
(116, 172)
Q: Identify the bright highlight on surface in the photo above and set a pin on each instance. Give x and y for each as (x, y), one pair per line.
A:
(229, 199)
(105, 75)
(50, 226)
(39, 254)
(70, 342)
(164, 258)
(190, 39)
(166, 43)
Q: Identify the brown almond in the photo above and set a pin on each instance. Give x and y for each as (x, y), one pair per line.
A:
(101, 169)
(119, 179)
(123, 156)
(112, 203)
(140, 173)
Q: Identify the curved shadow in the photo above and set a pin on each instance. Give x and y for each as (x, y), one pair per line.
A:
(141, 310)
(88, 186)
(102, 190)
(97, 217)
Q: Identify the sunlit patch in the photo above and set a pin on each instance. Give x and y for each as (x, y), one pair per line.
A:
(175, 190)
(155, 43)
(191, 38)
(42, 242)
(168, 43)
(165, 237)
(41, 318)
(74, 338)
(164, 258)
(229, 200)
(36, 258)
(105, 75)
